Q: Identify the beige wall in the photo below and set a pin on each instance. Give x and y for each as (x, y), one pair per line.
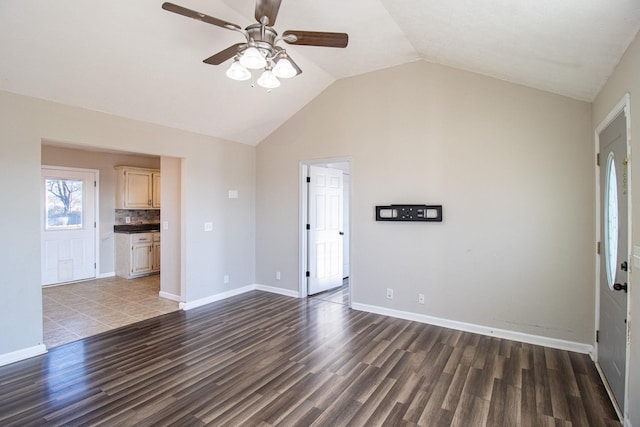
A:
(171, 214)
(512, 167)
(104, 163)
(626, 79)
(210, 167)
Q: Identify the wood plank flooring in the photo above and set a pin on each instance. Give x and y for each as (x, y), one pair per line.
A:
(338, 295)
(261, 359)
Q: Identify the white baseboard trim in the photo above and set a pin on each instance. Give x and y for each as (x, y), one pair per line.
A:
(25, 353)
(279, 291)
(478, 329)
(228, 294)
(105, 275)
(167, 295)
(217, 297)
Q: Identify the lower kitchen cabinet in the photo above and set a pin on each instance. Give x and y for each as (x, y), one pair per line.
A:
(137, 254)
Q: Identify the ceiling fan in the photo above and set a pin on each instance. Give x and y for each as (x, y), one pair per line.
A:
(260, 51)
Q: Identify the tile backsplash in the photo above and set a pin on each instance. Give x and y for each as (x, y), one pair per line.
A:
(138, 216)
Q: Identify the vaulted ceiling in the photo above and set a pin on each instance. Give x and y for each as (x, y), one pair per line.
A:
(136, 60)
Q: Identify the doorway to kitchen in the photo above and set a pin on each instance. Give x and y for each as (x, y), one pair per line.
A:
(325, 194)
(104, 301)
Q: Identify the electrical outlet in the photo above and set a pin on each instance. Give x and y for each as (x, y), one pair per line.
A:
(389, 293)
(226, 278)
(127, 220)
(421, 298)
(278, 275)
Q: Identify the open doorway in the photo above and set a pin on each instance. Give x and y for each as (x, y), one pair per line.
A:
(325, 201)
(80, 307)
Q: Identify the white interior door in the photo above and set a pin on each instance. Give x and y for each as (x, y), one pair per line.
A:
(614, 259)
(325, 237)
(68, 225)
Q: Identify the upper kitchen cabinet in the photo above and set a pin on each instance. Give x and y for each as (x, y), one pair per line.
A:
(137, 188)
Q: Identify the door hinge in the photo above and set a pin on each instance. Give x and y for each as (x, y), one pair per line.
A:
(95, 266)
(308, 226)
(597, 336)
(95, 224)
(598, 248)
(308, 274)
(597, 159)
(308, 179)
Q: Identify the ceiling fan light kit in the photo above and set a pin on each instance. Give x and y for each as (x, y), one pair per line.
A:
(268, 80)
(252, 58)
(284, 69)
(238, 72)
(260, 51)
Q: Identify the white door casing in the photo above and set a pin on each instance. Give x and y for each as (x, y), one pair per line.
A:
(68, 224)
(614, 256)
(325, 237)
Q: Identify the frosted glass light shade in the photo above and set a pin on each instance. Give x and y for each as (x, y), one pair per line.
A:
(238, 72)
(268, 80)
(252, 58)
(284, 69)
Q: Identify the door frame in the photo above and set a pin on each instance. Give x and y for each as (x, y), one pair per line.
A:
(96, 206)
(302, 221)
(622, 106)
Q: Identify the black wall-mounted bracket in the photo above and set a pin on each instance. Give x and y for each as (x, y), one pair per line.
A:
(416, 213)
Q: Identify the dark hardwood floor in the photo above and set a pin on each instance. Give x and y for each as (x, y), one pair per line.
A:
(338, 295)
(265, 359)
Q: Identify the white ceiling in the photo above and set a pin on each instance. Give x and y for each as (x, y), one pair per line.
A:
(134, 59)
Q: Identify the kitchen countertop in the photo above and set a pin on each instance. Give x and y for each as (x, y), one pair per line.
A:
(136, 228)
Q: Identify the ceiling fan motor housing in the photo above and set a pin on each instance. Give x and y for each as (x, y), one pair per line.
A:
(264, 38)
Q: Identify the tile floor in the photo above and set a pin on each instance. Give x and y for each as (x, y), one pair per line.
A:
(79, 310)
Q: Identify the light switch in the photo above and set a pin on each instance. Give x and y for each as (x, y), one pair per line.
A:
(208, 226)
(165, 225)
(233, 194)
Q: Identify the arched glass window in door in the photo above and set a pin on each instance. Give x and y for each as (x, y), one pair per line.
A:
(611, 221)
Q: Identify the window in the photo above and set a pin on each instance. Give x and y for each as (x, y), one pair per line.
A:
(63, 201)
(611, 221)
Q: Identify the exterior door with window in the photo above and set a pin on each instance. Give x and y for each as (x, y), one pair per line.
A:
(68, 225)
(614, 258)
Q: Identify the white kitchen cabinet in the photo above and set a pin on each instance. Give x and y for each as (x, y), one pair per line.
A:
(156, 252)
(137, 188)
(137, 254)
(155, 199)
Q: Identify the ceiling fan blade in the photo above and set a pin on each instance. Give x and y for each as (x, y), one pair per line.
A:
(223, 55)
(199, 16)
(268, 8)
(316, 38)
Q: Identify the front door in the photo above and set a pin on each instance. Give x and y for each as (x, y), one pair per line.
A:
(325, 261)
(68, 225)
(614, 259)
